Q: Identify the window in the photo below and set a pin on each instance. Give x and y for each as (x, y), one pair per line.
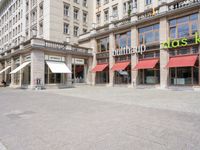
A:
(98, 18)
(85, 3)
(66, 10)
(103, 45)
(115, 11)
(123, 40)
(98, 3)
(84, 17)
(150, 34)
(66, 28)
(106, 15)
(184, 26)
(76, 31)
(76, 13)
(41, 9)
(148, 2)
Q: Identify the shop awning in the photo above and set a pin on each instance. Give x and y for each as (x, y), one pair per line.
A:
(20, 67)
(182, 61)
(99, 67)
(120, 66)
(147, 64)
(4, 69)
(58, 67)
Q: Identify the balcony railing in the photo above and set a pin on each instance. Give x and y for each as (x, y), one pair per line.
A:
(182, 4)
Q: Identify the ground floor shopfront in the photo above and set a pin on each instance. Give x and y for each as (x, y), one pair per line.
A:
(41, 66)
(159, 68)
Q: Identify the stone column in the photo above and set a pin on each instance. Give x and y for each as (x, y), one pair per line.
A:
(37, 67)
(1, 75)
(5, 72)
(69, 65)
(21, 71)
(111, 58)
(94, 61)
(12, 75)
(164, 55)
(90, 77)
(134, 57)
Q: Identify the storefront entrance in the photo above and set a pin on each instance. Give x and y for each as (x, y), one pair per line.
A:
(78, 70)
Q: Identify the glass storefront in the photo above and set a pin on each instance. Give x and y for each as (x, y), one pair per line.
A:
(188, 75)
(53, 78)
(102, 77)
(17, 74)
(26, 76)
(149, 76)
(184, 76)
(123, 76)
(78, 73)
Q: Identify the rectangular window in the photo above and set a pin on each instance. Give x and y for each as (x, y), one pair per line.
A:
(184, 26)
(123, 40)
(103, 45)
(150, 34)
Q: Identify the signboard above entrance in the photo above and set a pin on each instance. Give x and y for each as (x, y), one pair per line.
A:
(127, 50)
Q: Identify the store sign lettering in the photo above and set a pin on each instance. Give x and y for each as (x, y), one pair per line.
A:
(127, 50)
(179, 43)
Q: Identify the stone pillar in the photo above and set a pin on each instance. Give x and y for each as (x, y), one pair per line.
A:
(111, 58)
(5, 72)
(21, 71)
(164, 55)
(12, 75)
(94, 61)
(37, 67)
(1, 68)
(134, 57)
(69, 65)
(90, 78)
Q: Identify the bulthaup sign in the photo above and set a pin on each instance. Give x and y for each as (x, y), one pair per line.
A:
(127, 50)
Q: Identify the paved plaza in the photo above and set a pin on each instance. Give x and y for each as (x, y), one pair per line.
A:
(99, 118)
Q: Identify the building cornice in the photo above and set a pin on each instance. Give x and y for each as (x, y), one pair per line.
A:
(130, 24)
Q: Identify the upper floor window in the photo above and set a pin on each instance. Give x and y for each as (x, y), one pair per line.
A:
(148, 2)
(123, 40)
(76, 11)
(66, 9)
(103, 45)
(85, 3)
(76, 1)
(184, 26)
(98, 3)
(98, 18)
(150, 34)
(84, 17)
(106, 15)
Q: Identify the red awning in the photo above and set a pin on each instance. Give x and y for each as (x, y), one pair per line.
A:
(182, 61)
(99, 67)
(147, 64)
(120, 66)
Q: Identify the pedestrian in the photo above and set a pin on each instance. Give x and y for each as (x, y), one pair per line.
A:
(4, 83)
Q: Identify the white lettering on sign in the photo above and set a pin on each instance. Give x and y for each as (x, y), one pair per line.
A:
(78, 61)
(127, 50)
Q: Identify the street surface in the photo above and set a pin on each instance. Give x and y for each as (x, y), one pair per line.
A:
(99, 118)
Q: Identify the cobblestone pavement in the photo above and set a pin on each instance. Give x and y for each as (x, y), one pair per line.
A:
(99, 118)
